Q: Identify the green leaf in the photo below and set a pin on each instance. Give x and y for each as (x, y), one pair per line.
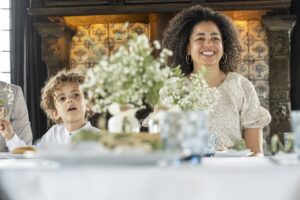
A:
(289, 143)
(177, 71)
(152, 96)
(239, 145)
(276, 144)
(2, 102)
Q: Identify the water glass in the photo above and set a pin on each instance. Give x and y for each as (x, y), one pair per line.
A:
(211, 145)
(295, 122)
(185, 132)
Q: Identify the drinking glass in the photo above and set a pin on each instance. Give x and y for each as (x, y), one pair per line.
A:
(211, 145)
(295, 122)
(185, 132)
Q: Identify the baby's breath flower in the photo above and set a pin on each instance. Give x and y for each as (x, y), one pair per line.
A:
(130, 76)
(6, 99)
(191, 93)
(157, 44)
(6, 96)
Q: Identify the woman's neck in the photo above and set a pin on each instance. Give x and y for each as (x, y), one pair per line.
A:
(214, 76)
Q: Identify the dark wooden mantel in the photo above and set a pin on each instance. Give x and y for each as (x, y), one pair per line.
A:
(96, 7)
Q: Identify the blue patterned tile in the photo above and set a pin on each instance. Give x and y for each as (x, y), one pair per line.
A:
(257, 30)
(109, 44)
(118, 33)
(245, 49)
(97, 51)
(262, 88)
(81, 35)
(265, 102)
(259, 70)
(243, 69)
(115, 48)
(242, 27)
(139, 28)
(80, 54)
(98, 32)
(245, 59)
(259, 50)
(251, 40)
(251, 60)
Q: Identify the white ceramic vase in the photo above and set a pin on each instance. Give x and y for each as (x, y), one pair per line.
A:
(124, 121)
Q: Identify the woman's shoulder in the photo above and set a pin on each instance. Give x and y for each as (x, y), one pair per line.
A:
(237, 85)
(240, 80)
(237, 76)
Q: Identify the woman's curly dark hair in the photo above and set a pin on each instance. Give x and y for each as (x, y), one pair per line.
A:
(177, 34)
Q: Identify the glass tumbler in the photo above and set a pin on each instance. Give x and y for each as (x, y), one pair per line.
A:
(185, 132)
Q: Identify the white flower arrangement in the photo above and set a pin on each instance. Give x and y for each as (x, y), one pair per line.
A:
(189, 93)
(6, 99)
(130, 76)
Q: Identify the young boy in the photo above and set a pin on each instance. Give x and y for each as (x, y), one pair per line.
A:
(63, 102)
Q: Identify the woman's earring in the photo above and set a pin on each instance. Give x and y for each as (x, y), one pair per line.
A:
(188, 59)
(224, 58)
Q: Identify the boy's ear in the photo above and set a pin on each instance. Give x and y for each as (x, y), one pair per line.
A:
(54, 115)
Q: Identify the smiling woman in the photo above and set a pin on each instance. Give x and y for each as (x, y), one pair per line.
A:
(5, 40)
(202, 37)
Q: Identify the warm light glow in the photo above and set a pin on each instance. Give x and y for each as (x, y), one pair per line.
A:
(75, 21)
(245, 14)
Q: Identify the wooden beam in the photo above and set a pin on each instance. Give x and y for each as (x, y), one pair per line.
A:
(157, 8)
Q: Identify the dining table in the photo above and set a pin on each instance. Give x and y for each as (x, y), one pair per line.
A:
(213, 178)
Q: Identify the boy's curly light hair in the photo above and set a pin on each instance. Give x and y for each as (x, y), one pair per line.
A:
(55, 83)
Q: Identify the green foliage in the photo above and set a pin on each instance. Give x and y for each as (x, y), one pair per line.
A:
(277, 145)
(85, 135)
(111, 141)
(239, 145)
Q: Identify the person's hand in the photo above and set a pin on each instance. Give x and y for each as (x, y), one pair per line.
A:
(3, 112)
(6, 129)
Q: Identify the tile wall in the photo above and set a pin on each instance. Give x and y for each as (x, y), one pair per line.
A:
(255, 57)
(93, 41)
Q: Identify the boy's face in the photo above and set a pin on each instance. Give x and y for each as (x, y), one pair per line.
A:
(69, 103)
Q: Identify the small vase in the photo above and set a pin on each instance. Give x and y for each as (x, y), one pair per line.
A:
(124, 121)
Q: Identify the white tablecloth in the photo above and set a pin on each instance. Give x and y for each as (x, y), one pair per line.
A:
(213, 179)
